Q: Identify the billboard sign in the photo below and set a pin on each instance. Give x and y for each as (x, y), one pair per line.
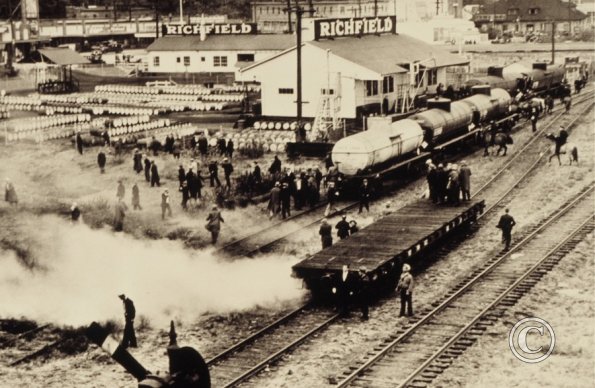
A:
(334, 28)
(210, 29)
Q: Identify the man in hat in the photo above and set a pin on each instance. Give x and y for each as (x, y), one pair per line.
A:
(363, 296)
(101, 160)
(534, 119)
(137, 161)
(353, 228)
(136, 198)
(285, 198)
(165, 207)
(405, 290)
(154, 175)
(465, 181)
(227, 170)
(214, 173)
(342, 227)
(364, 196)
(506, 224)
(275, 200)
(275, 167)
(121, 190)
(79, 143)
(181, 174)
(431, 178)
(326, 234)
(345, 289)
(129, 338)
(147, 169)
(230, 148)
(214, 221)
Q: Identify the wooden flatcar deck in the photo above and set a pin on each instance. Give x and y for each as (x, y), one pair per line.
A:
(391, 240)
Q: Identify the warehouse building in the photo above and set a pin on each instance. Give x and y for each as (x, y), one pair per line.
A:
(373, 71)
(224, 53)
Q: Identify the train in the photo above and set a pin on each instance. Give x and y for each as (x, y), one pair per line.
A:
(542, 78)
(375, 153)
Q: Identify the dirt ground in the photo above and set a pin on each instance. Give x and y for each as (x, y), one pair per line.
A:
(49, 177)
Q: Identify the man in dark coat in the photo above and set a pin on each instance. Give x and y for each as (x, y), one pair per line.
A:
(191, 184)
(227, 170)
(353, 228)
(147, 170)
(181, 174)
(364, 196)
(221, 145)
(342, 227)
(203, 145)
(326, 234)
(285, 198)
(101, 159)
(185, 195)
(214, 221)
(214, 173)
(154, 175)
(431, 178)
(230, 148)
(257, 174)
(154, 146)
(129, 338)
(441, 182)
(75, 213)
(345, 289)
(465, 181)
(453, 188)
(137, 161)
(363, 292)
(79, 143)
(506, 224)
(275, 166)
(534, 120)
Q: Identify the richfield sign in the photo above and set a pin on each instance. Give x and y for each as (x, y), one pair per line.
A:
(333, 28)
(210, 29)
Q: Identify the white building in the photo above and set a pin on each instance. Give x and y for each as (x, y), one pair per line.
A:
(216, 53)
(366, 75)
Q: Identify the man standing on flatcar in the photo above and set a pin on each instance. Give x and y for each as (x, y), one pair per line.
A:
(431, 178)
(342, 228)
(405, 290)
(506, 224)
(465, 181)
(326, 234)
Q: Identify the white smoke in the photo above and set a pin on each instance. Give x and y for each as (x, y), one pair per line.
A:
(83, 271)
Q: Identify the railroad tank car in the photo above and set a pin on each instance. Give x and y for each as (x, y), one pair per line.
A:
(497, 78)
(444, 122)
(364, 150)
(547, 77)
(488, 103)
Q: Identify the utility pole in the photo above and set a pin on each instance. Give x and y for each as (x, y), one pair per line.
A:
(375, 8)
(311, 8)
(299, 12)
(437, 7)
(289, 25)
(10, 56)
(553, 41)
(156, 20)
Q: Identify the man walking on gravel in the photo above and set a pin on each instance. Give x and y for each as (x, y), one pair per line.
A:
(405, 290)
(505, 224)
(129, 315)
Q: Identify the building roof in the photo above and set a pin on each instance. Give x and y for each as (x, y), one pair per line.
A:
(510, 10)
(386, 54)
(223, 43)
(62, 56)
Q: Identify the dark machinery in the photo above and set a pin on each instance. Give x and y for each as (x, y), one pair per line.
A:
(187, 368)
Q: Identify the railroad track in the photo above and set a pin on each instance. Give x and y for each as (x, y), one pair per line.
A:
(248, 357)
(415, 355)
(267, 238)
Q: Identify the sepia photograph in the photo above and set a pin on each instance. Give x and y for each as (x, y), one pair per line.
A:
(297, 193)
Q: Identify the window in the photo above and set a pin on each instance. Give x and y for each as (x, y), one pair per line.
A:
(432, 76)
(327, 91)
(156, 61)
(245, 57)
(178, 60)
(285, 90)
(513, 11)
(371, 88)
(220, 61)
(388, 84)
(202, 59)
(533, 11)
(186, 61)
(341, 10)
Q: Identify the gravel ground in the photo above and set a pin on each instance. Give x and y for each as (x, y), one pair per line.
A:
(319, 361)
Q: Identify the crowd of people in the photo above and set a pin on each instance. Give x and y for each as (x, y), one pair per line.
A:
(448, 184)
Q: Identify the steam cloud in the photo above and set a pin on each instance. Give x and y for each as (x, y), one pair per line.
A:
(81, 271)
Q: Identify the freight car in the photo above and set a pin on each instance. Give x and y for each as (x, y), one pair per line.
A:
(541, 79)
(388, 147)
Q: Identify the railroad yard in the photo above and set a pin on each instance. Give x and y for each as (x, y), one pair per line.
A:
(242, 302)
